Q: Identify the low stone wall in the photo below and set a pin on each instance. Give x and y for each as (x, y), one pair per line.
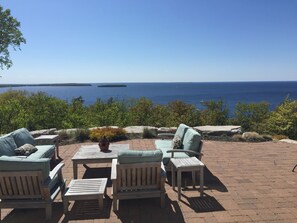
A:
(137, 131)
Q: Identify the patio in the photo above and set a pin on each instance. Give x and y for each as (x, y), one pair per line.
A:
(244, 182)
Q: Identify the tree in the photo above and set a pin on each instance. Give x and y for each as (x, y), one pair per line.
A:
(10, 36)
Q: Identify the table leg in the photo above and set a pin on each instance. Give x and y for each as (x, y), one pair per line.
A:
(74, 170)
(65, 204)
(179, 183)
(193, 178)
(201, 180)
(173, 177)
(57, 148)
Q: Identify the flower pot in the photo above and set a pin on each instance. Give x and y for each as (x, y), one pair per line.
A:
(104, 144)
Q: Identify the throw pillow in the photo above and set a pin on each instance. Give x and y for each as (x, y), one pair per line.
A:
(177, 143)
(25, 150)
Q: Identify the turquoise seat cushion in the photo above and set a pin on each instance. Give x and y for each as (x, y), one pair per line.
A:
(22, 136)
(159, 143)
(191, 140)
(8, 163)
(167, 156)
(138, 156)
(7, 146)
(181, 130)
(43, 151)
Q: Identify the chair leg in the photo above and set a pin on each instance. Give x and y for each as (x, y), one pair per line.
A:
(48, 211)
(294, 168)
(115, 204)
(162, 200)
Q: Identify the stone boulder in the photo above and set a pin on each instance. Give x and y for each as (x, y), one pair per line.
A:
(228, 130)
(137, 131)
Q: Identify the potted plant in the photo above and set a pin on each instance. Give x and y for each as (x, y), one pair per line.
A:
(103, 144)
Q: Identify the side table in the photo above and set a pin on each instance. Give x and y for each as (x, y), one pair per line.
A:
(185, 165)
(49, 139)
(85, 189)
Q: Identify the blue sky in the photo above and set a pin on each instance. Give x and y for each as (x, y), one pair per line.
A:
(154, 41)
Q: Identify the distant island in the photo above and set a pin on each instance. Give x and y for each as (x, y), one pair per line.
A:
(44, 85)
(112, 85)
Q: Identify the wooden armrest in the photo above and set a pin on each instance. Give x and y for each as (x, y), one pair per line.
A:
(113, 175)
(184, 151)
(165, 135)
(56, 170)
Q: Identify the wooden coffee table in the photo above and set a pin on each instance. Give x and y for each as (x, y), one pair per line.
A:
(85, 189)
(92, 154)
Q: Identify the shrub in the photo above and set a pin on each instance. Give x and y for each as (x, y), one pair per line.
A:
(112, 134)
(279, 137)
(252, 117)
(148, 133)
(216, 113)
(283, 121)
(82, 135)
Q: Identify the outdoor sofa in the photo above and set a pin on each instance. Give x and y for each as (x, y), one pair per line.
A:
(27, 181)
(188, 140)
(10, 142)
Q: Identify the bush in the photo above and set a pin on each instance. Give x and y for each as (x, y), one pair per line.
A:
(283, 121)
(112, 134)
(82, 135)
(279, 137)
(148, 133)
(216, 113)
(252, 117)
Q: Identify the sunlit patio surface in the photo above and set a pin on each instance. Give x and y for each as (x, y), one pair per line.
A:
(244, 182)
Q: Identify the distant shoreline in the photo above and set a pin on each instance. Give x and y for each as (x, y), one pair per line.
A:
(112, 85)
(44, 85)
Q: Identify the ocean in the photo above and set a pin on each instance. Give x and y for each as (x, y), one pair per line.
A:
(193, 93)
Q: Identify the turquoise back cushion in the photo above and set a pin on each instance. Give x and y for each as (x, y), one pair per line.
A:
(137, 156)
(21, 164)
(181, 130)
(192, 140)
(7, 146)
(22, 136)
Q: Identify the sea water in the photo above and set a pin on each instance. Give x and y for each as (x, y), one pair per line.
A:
(162, 93)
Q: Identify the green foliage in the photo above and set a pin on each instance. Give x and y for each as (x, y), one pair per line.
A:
(108, 113)
(45, 111)
(10, 36)
(216, 113)
(141, 111)
(180, 112)
(82, 135)
(77, 114)
(148, 133)
(41, 111)
(283, 121)
(252, 117)
(112, 134)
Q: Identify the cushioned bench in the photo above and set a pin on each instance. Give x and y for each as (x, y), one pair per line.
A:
(190, 140)
(18, 138)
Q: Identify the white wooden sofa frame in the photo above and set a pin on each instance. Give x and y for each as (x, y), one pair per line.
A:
(137, 180)
(27, 189)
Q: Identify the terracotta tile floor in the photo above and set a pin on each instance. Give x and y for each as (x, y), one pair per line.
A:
(244, 182)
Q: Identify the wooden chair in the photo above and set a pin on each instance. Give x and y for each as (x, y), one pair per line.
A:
(27, 189)
(137, 180)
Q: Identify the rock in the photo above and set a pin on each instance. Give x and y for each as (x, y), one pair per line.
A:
(40, 132)
(167, 129)
(228, 130)
(137, 131)
(288, 141)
